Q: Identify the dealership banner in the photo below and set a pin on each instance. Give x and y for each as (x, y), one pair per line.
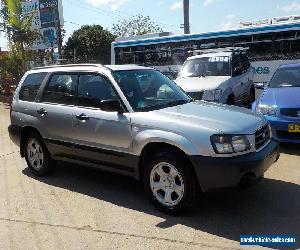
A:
(46, 16)
(263, 70)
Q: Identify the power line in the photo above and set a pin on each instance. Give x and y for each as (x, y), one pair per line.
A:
(94, 9)
(107, 8)
(124, 14)
(107, 11)
(72, 22)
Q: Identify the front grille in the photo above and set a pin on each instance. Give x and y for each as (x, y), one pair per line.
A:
(286, 135)
(292, 112)
(262, 136)
(196, 95)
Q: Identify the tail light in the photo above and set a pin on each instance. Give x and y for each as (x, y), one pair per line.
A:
(10, 102)
(10, 110)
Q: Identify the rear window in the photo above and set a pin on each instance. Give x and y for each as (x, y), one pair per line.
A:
(31, 86)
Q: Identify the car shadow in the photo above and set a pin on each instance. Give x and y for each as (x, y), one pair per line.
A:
(290, 148)
(271, 207)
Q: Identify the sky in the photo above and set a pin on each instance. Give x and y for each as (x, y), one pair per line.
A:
(205, 15)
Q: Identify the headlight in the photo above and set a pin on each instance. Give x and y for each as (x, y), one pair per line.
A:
(266, 110)
(212, 95)
(228, 144)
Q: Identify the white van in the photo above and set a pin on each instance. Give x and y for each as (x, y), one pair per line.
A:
(223, 76)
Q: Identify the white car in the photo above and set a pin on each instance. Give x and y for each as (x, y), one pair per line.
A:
(218, 76)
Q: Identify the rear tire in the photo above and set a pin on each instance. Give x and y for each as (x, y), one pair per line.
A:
(170, 182)
(37, 155)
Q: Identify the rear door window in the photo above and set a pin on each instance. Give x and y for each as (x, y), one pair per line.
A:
(61, 89)
(30, 86)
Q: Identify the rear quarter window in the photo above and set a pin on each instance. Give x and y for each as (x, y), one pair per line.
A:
(30, 86)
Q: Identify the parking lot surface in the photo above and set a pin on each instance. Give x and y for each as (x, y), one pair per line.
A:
(81, 208)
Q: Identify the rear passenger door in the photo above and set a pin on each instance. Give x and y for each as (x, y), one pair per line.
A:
(26, 104)
(101, 137)
(55, 112)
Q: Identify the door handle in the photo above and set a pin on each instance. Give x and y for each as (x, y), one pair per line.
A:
(82, 117)
(41, 111)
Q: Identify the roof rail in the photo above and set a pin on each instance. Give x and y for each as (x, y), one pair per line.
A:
(227, 49)
(69, 65)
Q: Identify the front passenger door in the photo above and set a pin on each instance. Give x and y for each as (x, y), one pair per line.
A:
(101, 137)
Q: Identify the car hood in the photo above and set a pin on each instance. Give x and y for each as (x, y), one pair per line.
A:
(281, 97)
(219, 118)
(196, 84)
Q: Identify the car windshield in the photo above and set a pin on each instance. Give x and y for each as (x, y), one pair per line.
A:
(206, 66)
(149, 89)
(286, 77)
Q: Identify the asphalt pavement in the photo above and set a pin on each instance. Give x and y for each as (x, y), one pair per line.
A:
(82, 208)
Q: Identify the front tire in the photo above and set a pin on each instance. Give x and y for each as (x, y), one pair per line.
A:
(37, 155)
(170, 182)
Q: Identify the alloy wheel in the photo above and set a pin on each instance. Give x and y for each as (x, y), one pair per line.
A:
(35, 154)
(166, 184)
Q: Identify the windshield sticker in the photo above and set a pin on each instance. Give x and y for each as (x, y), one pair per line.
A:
(219, 59)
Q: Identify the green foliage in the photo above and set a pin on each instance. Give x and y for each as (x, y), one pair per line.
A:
(16, 63)
(20, 38)
(135, 25)
(16, 26)
(92, 43)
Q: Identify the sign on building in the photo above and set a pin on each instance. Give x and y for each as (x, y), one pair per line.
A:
(47, 16)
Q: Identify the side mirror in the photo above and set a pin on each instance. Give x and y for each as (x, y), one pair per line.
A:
(111, 106)
(259, 85)
(237, 71)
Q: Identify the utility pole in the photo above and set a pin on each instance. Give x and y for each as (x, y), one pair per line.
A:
(186, 14)
(59, 38)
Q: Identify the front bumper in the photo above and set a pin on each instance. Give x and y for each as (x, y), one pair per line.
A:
(225, 172)
(280, 129)
(14, 132)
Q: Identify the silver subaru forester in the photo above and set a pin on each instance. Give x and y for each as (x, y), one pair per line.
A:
(135, 121)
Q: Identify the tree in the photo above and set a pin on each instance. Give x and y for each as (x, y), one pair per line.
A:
(20, 38)
(17, 26)
(91, 43)
(135, 25)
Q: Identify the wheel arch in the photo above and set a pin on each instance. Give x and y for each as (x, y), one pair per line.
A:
(152, 148)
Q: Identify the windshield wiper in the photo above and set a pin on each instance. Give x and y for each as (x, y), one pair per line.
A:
(178, 102)
(198, 75)
(165, 105)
